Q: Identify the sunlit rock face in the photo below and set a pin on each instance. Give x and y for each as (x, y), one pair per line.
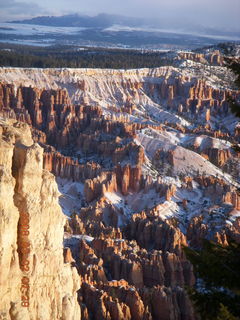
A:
(29, 191)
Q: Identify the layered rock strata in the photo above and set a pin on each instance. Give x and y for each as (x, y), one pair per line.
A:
(29, 206)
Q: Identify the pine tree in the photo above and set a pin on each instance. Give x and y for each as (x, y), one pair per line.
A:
(216, 295)
(224, 314)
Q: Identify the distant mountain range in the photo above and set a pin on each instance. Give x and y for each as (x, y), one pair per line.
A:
(104, 20)
(106, 30)
(75, 20)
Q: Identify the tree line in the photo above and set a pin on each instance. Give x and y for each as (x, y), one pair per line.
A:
(64, 57)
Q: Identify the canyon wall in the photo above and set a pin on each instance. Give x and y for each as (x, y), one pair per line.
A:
(30, 214)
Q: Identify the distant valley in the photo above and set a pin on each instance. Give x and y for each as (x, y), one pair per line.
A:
(106, 30)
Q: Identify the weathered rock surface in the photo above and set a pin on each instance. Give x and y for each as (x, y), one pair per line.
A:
(29, 191)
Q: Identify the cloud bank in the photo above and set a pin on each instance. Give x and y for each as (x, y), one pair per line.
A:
(165, 13)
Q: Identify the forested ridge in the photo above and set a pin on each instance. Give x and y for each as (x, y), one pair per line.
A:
(73, 57)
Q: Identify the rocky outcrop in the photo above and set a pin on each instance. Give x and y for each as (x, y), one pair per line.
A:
(232, 197)
(141, 268)
(161, 156)
(128, 178)
(234, 230)
(106, 182)
(167, 86)
(123, 179)
(218, 157)
(152, 231)
(213, 187)
(31, 234)
(213, 58)
(68, 168)
(152, 283)
(152, 275)
(197, 231)
(118, 300)
(168, 303)
(190, 95)
(51, 111)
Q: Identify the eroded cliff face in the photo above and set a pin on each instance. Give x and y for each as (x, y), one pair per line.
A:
(139, 157)
(133, 279)
(175, 88)
(213, 58)
(29, 191)
(191, 92)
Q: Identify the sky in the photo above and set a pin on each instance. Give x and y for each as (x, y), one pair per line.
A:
(220, 14)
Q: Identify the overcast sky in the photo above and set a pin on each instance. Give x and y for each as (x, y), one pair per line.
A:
(212, 13)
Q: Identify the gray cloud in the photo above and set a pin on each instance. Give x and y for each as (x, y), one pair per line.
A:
(175, 13)
(12, 9)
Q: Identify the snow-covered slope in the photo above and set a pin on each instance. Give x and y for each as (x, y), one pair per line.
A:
(150, 92)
